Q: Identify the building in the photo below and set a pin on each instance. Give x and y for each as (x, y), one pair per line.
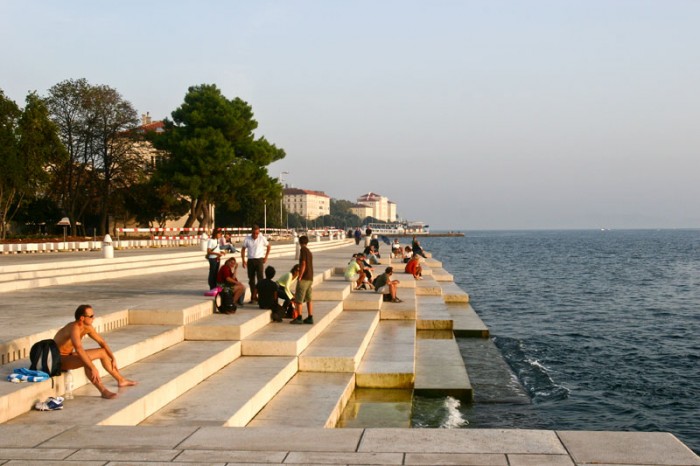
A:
(381, 207)
(309, 204)
(362, 211)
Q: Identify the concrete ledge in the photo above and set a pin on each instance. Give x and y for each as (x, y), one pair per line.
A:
(243, 388)
(341, 347)
(452, 293)
(245, 322)
(310, 399)
(432, 314)
(442, 275)
(331, 290)
(466, 322)
(389, 361)
(363, 300)
(428, 286)
(440, 369)
(171, 312)
(405, 310)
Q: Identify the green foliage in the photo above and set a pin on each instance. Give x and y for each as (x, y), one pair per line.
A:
(214, 156)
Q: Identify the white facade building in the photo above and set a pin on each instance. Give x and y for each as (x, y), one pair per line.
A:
(381, 207)
(309, 204)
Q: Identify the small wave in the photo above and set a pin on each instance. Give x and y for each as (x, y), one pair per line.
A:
(453, 418)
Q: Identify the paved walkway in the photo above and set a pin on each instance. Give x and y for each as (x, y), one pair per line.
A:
(30, 311)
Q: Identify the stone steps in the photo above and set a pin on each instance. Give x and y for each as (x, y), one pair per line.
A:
(129, 344)
(389, 361)
(341, 346)
(310, 399)
(405, 310)
(162, 378)
(282, 339)
(231, 397)
(245, 322)
(440, 369)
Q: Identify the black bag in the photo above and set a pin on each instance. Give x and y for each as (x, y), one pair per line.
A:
(44, 356)
(224, 300)
(276, 312)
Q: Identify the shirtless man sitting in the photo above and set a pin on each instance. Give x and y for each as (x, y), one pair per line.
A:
(73, 355)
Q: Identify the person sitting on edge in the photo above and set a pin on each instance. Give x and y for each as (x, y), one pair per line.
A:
(417, 249)
(396, 249)
(73, 355)
(414, 268)
(354, 271)
(371, 254)
(227, 278)
(407, 253)
(369, 272)
(287, 283)
(385, 285)
(225, 243)
(268, 292)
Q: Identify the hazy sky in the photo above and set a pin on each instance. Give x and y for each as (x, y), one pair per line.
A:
(467, 114)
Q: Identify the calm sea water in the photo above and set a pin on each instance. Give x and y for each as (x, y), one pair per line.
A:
(600, 328)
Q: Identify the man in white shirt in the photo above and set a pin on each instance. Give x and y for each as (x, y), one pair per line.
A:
(257, 248)
(214, 254)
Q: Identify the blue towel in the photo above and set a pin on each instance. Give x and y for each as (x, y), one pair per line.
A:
(27, 375)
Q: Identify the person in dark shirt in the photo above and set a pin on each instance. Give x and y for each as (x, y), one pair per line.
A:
(267, 294)
(306, 279)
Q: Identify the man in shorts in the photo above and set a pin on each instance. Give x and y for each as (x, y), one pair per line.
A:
(73, 355)
(306, 279)
(386, 286)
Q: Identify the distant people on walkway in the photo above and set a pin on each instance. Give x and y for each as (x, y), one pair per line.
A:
(375, 243)
(214, 254)
(226, 244)
(358, 235)
(417, 249)
(287, 285)
(368, 232)
(306, 279)
(413, 267)
(257, 248)
(226, 278)
(407, 254)
(268, 292)
(386, 286)
(354, 271)
(73, 355)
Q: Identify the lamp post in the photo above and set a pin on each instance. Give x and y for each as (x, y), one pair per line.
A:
(64, 222)
(282, 197)
(265, 226)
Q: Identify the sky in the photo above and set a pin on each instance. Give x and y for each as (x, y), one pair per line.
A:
(469, 115)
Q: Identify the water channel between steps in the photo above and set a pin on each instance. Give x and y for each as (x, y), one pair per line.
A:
(496, 388)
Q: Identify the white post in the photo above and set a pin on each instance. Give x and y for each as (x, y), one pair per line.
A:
(107, 247)
(297, 247)
(203, 242)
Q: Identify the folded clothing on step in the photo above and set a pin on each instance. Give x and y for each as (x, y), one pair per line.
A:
(27, 375)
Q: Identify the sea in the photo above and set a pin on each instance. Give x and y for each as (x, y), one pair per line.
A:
(590, 330)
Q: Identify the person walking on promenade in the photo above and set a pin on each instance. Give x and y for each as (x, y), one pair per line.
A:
(73, 355)
(214, 254)
(227, 278)
(358, 235)
(258, 249)
(306, 279)
(385, 285)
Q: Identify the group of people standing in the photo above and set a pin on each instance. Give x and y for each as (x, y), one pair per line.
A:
(265, 292)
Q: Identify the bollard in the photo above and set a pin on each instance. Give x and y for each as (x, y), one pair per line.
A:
(297, 247)
(203, 242)
(367, 240)
(107, 248)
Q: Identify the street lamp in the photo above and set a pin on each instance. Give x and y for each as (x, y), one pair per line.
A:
(282, 197)
(64, 222)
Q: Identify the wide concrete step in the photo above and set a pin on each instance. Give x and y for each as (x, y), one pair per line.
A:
(433, 314)
(452, 293)
(246, 321)
(467, 322)
(442, 275)
(405, 310)
(389, 359)
(428, 286)
(84, 275)
(341, 346)
(231, 397)
(310, 399)
(440, 369)
(129, 344)
(169, 311)
(363, 300)
(162, 378)
(331, 290)
(283, 339)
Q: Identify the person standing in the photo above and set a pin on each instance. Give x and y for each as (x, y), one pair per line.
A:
(306, 279)
(358, 235)
(258, 249)
(214, 254)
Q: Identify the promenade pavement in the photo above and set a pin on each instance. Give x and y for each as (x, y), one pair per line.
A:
(49, 441)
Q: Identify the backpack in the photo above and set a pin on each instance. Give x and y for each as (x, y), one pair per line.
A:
(224, 300)
(44, 356)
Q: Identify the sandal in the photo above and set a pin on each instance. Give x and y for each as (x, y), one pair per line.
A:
(396, 300)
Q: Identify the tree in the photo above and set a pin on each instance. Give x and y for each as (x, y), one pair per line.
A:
(214, 156)
(29, 151)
